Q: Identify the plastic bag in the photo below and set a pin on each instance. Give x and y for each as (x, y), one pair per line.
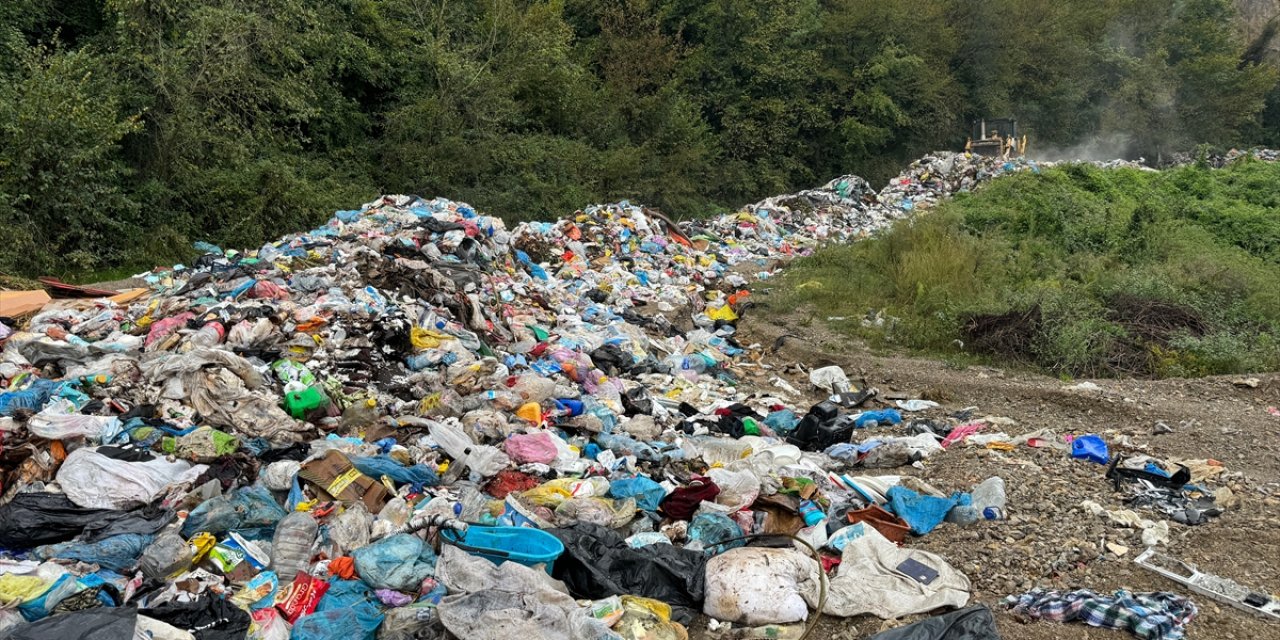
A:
(484, 461)
(35, 518)
(268, 624)
(352, 623)
(375, 467)
(116, 553)
(61, 420)
(399, 562)
(601, 511)
(499, 602)
(93, 480)
(248, 508)
(647, 493)
(713, 529)
(756, 586)
(973, 623)
(738, 489)
(524, 448)
(99, 623)
(921, 512)
(350, 529)
(598, 562)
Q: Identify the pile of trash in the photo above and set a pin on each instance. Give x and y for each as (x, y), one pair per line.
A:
(414, 421)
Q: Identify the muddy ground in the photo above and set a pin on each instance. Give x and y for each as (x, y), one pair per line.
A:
(1048, 540)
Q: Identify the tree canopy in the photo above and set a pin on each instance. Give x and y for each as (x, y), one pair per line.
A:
(129, 128)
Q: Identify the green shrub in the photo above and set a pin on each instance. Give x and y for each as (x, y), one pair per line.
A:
(1081, 271)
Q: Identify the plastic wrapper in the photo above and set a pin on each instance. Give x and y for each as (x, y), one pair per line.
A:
(601, 511)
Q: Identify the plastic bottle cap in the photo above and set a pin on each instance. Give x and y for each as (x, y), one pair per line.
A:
(371, 403)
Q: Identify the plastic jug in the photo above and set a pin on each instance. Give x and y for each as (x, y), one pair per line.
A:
(299, 403)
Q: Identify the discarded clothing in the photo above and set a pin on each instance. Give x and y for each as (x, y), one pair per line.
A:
(1150, 616)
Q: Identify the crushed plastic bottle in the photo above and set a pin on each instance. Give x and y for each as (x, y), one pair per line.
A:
(291, 545)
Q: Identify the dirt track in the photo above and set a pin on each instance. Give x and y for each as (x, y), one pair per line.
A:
(1048, 540)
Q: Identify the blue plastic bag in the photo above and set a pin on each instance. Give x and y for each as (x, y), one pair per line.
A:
(377, 466)
(33, 398)
(400, 562)
(922, 513)
(1092, 448)
(782, 421)
(247, 508)
(118, 552)
(646, 492)
(881, 417)
(714, 530)
(360, 622)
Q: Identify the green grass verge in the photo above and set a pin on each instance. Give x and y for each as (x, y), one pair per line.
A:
(1075, 270)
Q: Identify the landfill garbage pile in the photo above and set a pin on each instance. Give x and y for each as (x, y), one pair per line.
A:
(413, 421)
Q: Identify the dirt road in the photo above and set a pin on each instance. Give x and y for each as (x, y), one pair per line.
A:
(1048, 540)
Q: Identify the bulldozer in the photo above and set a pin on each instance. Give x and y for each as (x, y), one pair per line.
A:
(996, 138)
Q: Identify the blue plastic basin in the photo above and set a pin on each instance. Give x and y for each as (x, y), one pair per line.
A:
(501, 544)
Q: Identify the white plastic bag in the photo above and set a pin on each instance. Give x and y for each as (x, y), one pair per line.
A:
(94, 481)
(60, 420)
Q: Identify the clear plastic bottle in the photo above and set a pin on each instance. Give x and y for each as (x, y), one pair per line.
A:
(989, 498)
(291, 546)
(361, 413)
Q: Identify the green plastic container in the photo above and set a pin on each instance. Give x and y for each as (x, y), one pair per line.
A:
(300, 402)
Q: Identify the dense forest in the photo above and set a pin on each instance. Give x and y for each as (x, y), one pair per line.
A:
(129, 128)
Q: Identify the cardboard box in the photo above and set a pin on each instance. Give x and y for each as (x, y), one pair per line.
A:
(16, 303)
(334, 476)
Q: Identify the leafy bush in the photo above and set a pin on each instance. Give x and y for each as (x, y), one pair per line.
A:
(1077, 270)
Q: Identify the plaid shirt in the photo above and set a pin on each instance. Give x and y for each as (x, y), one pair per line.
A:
(1150, 616)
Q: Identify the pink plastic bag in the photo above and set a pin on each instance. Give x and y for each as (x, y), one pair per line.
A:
(961, 432)
(161, 329)
(524, 448)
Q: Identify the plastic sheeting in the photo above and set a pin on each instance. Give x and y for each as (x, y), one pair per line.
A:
(34, 519)
(878, 577)
(500, 602)
(93, 480)
(598, 563)
(973, 623)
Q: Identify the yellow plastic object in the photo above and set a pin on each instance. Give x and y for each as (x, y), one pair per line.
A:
(531, 412)
(426, 338)
(16, 589)
(656, 607)
(722, 313)
(203, 543)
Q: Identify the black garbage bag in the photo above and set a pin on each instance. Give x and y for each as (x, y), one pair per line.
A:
(34, 519)
(972, 623)
(209, 618)
(101, 623)
(598, 563)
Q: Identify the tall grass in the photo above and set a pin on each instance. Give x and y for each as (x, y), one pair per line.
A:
(1199, 246)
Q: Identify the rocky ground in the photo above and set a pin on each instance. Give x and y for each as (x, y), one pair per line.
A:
(1048, 540)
